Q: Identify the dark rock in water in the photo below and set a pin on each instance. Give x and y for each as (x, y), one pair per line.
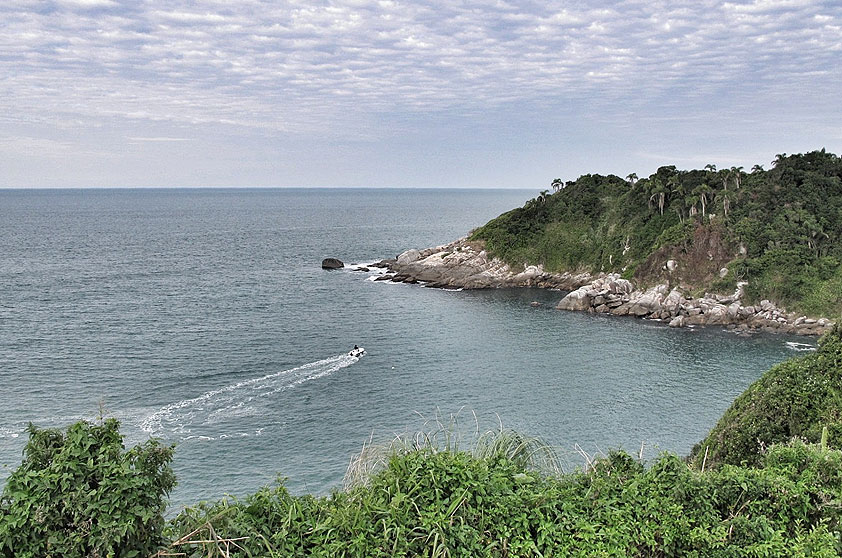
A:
(535, 304)
(384, 263)
(362, 269)
(332, 263)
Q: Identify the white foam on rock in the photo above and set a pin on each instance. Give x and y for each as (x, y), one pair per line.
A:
(793, 346)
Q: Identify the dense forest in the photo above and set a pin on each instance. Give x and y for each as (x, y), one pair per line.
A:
(779, 230)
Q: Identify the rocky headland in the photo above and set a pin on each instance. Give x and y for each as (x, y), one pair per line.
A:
(464, 264)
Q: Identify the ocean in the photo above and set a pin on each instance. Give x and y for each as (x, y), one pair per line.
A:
(203, 318)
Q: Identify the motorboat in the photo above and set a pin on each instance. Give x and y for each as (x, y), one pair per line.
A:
(356, 352)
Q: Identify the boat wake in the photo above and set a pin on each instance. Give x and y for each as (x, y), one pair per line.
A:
(204, 417)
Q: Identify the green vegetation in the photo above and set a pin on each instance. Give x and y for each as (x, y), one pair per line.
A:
(767, 481)
(423, 496)
(780, 230)
(505, 498)
(80, 494)
(450, 503)
(801, 398)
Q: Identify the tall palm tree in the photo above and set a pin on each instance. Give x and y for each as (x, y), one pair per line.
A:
(726, 202)
(736, 173)
(691, 202)
(632, 178)
(557, 184)
(659, 193)
(724, 174)
(703, 191)
(675, 187)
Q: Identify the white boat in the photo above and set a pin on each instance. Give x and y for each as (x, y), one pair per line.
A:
(356, 352)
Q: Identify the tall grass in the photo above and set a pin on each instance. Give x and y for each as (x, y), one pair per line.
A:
(448, 434)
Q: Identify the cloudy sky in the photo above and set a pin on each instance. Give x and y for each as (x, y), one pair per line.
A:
(396, 93)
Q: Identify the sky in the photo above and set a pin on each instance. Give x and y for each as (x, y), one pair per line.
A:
(387, 93)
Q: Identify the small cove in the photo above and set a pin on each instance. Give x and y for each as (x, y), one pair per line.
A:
(203, 317)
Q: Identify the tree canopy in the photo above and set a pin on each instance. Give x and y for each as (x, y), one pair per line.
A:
(778, 229)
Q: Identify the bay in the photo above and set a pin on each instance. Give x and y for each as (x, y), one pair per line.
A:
(203, 318)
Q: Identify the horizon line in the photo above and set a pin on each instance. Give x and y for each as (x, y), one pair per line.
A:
(68, 188)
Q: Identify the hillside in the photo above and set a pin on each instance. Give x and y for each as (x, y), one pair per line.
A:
(779, 230)
(799, 398)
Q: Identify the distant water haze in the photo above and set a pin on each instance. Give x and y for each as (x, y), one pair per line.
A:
(203, 318)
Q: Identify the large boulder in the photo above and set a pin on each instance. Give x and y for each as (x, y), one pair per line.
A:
(649, 302)
(672, 303)
(615, 285)
(717, 314)
(332, 263)
(577, 301)
(408, 257)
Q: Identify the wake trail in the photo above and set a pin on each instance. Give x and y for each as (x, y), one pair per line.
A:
(196, 417)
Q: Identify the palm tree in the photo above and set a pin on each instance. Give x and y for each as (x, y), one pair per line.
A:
(557, 184)
(632, 178)
(726, 202)
(724, 174)
(703, 191)
(691, 202)
(710, 167)
(779, 158)
(659, 192)
(756, 168)
(736, 172)
(675, 187)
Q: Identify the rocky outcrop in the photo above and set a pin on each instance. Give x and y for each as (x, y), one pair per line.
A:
(332, 263)
(612, 295)
(466, 265)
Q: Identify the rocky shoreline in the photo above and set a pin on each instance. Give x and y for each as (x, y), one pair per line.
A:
(466, 265)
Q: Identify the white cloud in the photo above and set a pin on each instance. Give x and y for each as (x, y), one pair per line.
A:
(351, 68)
(87, 3)
(158, 139)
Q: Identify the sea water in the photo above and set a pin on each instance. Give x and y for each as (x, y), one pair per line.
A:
(203, 318)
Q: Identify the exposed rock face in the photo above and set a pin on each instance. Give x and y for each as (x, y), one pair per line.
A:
(467, 265)
(577, 300)
(612, 295)
(332, 263)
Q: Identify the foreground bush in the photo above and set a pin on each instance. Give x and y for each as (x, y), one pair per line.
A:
(80, 494)
(797, 398)
(453, 504)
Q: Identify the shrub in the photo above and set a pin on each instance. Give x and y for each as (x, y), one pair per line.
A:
(453, 504)
(81, 494)
(796, 398)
